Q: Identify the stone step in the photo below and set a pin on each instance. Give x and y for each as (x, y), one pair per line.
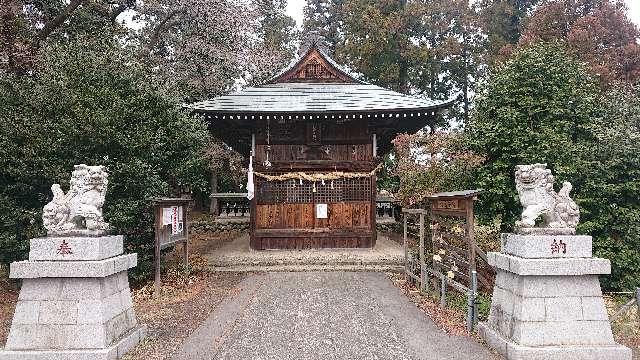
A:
(308, 267)
(316, 261)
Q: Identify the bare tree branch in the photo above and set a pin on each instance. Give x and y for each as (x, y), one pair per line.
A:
(157, 31)
(56, 22)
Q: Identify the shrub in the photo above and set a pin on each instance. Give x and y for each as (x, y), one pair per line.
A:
(91, 103)
(543, 107)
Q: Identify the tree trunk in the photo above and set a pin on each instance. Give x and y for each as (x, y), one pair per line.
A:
(213, 206)
(465, 81)
(56, 22)
(403, 73)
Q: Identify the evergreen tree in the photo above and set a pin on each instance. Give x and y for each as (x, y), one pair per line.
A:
(324, 17)
(534, 109)
(502, 21)
(423, 48)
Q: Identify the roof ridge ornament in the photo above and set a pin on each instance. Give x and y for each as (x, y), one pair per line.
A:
(311, 39)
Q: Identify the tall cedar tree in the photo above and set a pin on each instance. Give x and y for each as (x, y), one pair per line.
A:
(425, 48)
(323, 16)
(502, 22)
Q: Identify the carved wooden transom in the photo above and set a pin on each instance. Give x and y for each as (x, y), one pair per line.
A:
(314, 67)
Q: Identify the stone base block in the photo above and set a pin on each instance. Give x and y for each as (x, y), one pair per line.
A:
(547, 246)
(72, 313)
(544, 231)
(72, 269)
(549, 267)
(513, 351)
(70, 248)
(115, 351)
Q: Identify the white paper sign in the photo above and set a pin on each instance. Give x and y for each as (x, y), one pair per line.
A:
(174, 220)
(321, 211)
(166, 216)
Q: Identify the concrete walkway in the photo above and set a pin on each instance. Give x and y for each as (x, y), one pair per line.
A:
(323, 315)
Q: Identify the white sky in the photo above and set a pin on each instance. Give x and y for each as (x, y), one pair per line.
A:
(294, 9)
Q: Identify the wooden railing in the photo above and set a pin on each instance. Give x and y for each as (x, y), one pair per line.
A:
(627, 306)
(428, 262)
(386, 209)
(232, 205)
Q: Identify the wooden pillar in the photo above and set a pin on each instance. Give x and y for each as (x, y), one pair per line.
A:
(185, 247)
(471, 236)
(422, 255)
(157, 253)
(374, 193)
(405, 247)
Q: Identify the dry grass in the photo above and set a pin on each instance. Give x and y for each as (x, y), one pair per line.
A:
(186, 301)
(8, 299)
(451, 321)
(626, 328)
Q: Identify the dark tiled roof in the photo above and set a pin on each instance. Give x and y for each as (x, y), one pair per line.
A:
(315, 97)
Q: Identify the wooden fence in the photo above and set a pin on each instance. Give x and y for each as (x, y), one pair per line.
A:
(436, 259)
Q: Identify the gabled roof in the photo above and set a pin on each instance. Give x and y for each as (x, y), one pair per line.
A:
(316, 87)
(315, 66)
(315, 83)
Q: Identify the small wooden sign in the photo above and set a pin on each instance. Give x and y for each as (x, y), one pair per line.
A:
(171, 215)
(448, 204)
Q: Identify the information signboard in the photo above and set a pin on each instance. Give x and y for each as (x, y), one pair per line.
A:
(171, 219)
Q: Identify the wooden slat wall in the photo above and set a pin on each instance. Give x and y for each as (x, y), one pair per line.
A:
(291, 152)
(284, 216)
(341, 216)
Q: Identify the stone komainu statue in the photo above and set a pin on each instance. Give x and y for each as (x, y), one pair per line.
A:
(560, 214)
(79, 211)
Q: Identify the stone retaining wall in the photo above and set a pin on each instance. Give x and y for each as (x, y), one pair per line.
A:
(218, 226)
(202, 226)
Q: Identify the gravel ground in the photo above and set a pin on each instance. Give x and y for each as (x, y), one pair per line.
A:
(318, 315)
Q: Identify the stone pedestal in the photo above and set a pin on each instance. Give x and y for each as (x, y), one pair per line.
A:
(75, 301)
(547, 303)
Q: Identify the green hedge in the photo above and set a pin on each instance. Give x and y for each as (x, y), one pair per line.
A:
(542, 106)
(92, 103)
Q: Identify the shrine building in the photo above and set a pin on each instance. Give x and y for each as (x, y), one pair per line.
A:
(317, 135)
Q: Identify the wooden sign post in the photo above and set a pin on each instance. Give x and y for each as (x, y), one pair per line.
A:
(171, 228)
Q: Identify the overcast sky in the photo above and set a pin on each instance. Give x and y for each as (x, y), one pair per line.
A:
(294, 9)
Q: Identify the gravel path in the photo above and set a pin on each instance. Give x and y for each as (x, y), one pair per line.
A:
(322, 315)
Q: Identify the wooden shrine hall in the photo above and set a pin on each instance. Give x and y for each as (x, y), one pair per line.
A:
(317, 135)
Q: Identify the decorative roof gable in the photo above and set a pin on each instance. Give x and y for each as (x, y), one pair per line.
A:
(314, 66)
